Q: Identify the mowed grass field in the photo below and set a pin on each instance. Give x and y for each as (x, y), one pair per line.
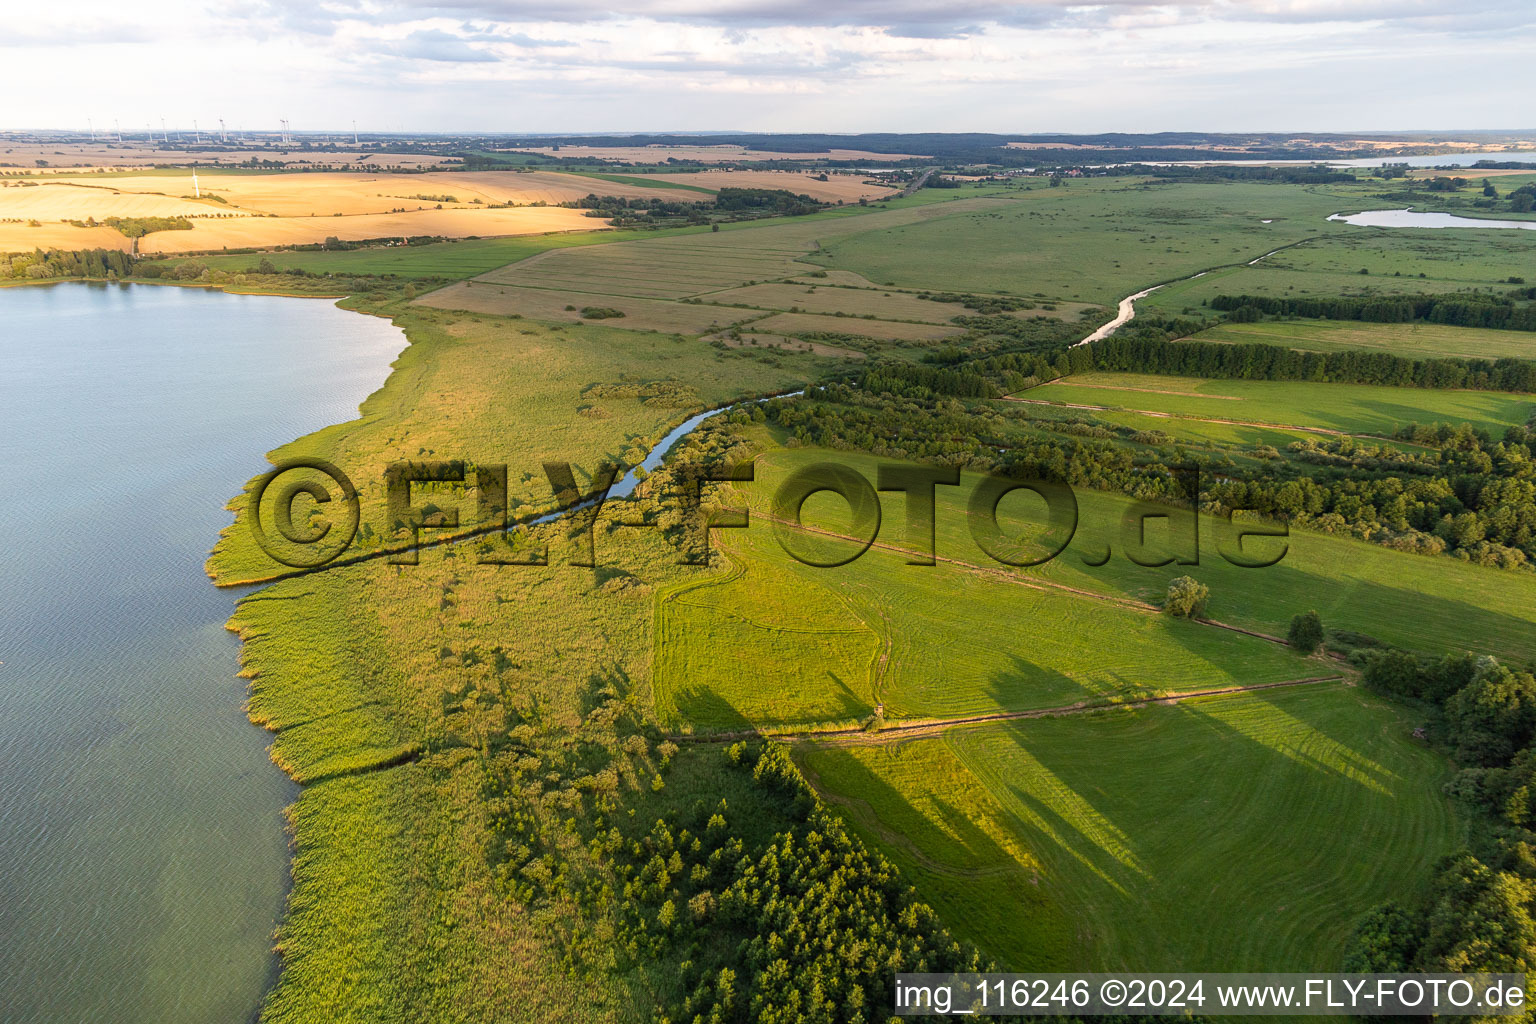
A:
(1245, 832)
(1348, 408)
(1415, 340)
(777, 644)
(1437, 605)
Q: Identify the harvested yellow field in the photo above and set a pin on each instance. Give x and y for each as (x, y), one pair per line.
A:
(850, 188)
(550, 304)
(814, 298)
(55, 201)
(805, 323)
(265, 232)
(704, 154)
(19, 237)
(323, 194)
(130, 154)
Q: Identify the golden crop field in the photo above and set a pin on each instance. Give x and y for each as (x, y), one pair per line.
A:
(258, 232)
(22, 236)
(143, 153)
(703, 154)
(850, 188)
(54, 201)
(321, 194)
(297, 208)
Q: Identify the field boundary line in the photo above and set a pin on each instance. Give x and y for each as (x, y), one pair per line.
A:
(845, 736)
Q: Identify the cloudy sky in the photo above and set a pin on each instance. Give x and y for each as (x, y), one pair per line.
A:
(774, 65)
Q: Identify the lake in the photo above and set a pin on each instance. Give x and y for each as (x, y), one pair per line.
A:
(143, 859)
(1414, 219)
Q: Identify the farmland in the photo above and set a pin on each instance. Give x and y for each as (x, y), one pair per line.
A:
(1348, 408)
(1393, 261)
(838, 188)
(1449, 605)
(491, 749)
(1420, 340)
(703, 282)
(1066, 842)
(1096, 241)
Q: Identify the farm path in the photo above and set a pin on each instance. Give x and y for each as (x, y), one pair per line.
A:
(920, 727)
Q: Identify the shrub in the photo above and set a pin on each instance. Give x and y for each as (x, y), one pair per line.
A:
(1306, 633)
(1186, 598)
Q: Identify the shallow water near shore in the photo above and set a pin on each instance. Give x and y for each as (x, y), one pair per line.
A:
(143, 858)
(1416, 219)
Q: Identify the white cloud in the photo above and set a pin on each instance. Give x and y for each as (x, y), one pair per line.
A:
(789, 65)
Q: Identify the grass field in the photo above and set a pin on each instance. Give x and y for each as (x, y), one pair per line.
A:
(551, 304)
(457, 259)
(1096, 240)
(1153, 839)
(1398, 261)
(648, 277)
(470, 387)
(1436, 605)
(1415, 340)
(1349, 408)
(452, 722)
(810, 646)
(867, 301)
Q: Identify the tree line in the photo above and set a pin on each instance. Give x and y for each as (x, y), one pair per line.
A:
(1467, 309)
(1143, 352)
(1477, 912)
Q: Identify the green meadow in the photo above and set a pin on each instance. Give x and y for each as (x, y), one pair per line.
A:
(1096, 240)
(1365, 261)
(1434, 604)
(779, 644)
(1347, 408)
(1239, 833)
(1415, 340)
(469, 736)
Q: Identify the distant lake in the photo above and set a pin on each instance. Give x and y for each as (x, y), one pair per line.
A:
(1414, 219)
(143, 859)
(1442, 160)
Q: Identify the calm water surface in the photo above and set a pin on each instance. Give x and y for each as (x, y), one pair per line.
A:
(1415, 219)
(143, 863)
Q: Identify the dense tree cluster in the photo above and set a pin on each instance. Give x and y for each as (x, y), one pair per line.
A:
(1463, 309)
(1477, 913)
(775, 202)
(1141, 354)
(1465, 493)
(810, 926)
(86, 263)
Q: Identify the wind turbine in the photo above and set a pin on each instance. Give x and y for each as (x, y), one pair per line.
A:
(91, 125)
(117, 128)
(196, 134)
(354, 133)
(165, 135)
(223, 133)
